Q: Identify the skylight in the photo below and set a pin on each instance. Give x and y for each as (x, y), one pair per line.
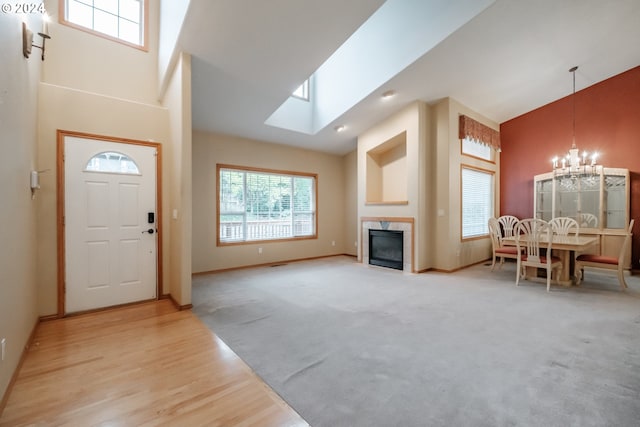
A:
(303, 91)
(394, 37)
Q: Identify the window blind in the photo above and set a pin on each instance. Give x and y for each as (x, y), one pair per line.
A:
(477, 202)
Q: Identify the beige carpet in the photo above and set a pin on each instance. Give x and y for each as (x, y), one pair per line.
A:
(350, 345)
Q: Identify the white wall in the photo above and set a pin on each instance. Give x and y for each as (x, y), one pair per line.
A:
(86, 62)
(433, 165)
(210, 149)
(454, 253)
(172, 13)
(101, 87)
(178, 102)
(412, 120)
(18, 114)
(93, 114)
(351, 222)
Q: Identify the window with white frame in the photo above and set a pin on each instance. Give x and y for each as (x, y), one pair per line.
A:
(478, 200)
(255, 205)
(303, 91)
(123, 20)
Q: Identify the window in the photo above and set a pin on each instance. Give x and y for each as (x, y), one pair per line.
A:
(476, 149)
(122, 20)
(303, 91)
(112, 162)
(477, 201)
(256, 205)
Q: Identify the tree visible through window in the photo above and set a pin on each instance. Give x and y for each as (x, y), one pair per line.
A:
(259, 205)
(119, 19)
(477, 201)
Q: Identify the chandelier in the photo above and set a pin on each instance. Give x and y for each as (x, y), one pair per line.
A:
(575, 163)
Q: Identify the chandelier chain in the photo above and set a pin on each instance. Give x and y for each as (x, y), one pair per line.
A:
(573, 164)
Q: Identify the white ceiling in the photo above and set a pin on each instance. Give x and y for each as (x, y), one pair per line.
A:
(248, 56)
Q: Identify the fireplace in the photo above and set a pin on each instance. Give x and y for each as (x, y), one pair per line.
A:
(386, 248)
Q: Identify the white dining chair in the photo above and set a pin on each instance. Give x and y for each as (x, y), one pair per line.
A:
(508, 224)
(532, 237)
(587, 220)
(606, 262)
(563, 226)
(499, 249)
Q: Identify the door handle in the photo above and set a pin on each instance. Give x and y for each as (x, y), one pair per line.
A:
(150, 231)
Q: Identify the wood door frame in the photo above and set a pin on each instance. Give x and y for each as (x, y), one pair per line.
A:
(60, 201)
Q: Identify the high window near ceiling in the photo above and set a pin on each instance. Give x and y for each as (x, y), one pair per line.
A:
(475, 149)
(258, 205)
(303, 91)
(120, 20)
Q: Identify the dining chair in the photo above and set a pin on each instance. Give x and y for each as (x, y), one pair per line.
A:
(587, 220)
(532, 237)
(563, 225)
(508, 224)
(499, 250)
(606, 262)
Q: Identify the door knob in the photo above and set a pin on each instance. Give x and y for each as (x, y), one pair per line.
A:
(150, 231)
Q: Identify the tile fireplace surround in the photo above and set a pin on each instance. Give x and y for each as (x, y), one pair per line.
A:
(388, 223)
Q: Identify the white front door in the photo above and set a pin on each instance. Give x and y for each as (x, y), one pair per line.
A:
(110, 227)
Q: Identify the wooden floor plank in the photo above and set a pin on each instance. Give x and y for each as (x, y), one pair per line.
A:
(141, 365)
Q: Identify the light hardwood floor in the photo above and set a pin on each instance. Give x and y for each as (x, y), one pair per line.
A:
(146, 364)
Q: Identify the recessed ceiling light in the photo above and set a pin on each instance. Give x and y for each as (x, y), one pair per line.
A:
(339, 128)
(388, 94)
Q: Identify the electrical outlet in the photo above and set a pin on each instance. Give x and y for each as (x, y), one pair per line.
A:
(259, 250)
(333, 243)
(3, 344)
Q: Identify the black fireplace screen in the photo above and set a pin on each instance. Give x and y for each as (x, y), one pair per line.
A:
(385, 248)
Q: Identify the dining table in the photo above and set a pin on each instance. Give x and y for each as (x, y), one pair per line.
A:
(564, 248)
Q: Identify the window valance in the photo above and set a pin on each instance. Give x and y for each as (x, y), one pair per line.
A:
(478, 132)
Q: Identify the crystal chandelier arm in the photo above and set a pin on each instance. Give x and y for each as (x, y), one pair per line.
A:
(572, 164)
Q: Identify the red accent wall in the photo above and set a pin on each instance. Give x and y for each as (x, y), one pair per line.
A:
(607, 121)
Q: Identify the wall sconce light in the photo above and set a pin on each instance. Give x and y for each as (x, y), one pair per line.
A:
(27, 37)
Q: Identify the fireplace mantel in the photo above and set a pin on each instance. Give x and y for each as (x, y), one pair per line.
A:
(389, 223)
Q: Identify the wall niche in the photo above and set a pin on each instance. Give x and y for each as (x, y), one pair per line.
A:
(387, 179)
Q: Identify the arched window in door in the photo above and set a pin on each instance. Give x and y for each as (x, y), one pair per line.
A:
(112, 162)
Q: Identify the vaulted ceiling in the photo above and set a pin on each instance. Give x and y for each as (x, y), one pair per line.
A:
(510, 58)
